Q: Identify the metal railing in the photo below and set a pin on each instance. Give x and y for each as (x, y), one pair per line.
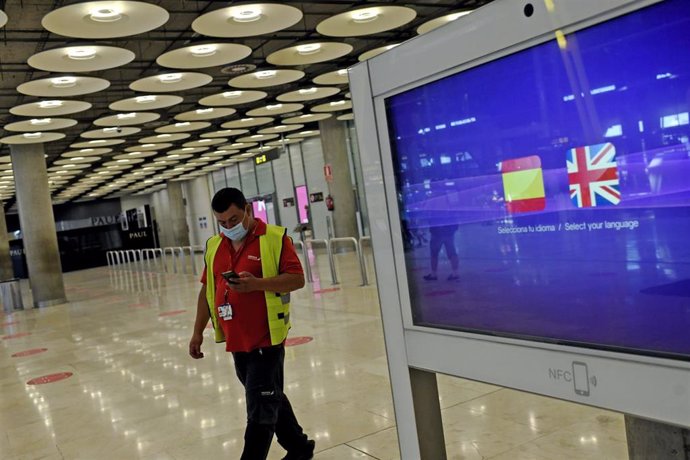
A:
(180, 257)
(181, 253)
(111, 259)
(164, 258)
(331, 262)
(358, 252)
(144, 259)
(362, 258)
(150, 254)
(305, 257)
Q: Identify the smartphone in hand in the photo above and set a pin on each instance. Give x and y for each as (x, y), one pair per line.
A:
(230, 276)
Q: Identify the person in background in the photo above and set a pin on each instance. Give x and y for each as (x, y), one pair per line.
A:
(443, 237)
(250, 310)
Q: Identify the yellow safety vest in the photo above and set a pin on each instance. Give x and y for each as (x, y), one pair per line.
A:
(277, 305)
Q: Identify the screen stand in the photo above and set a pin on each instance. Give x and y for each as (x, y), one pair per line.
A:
(427, 410)
(648, 439)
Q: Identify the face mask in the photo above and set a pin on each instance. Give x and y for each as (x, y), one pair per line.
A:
(235, 233)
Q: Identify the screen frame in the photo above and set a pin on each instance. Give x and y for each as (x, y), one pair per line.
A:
(496, 30)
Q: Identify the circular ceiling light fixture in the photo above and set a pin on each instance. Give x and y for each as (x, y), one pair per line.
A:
(237, 69)
(310, 48)
(32, 135)
(81, 53)
(41, 121)
(203, 111)
(203, 50)
(232, 94)
(64, 82)
(170, 78)
(125, 116)
(183, 124)
(105, 14)
(342, 72)
(265, 74)
(145, 99)
(307, 91)
(49, 104)
(274, 107)
(246, 14)
(365, 15)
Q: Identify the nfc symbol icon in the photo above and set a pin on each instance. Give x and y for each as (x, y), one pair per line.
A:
(582, 379)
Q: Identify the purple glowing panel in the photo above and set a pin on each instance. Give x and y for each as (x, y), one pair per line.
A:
(554, 183)
(259, 208)
(302, 203)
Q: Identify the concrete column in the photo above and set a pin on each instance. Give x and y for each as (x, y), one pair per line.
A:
(199, 210)
(177, 217)
(334, 144)
(6, 271)
(648, 439)
(38, 224)
(427, 411)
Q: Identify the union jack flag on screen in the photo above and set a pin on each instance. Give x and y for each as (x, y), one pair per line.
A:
(593, 176)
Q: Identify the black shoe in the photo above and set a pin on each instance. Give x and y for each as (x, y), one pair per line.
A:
(306, 454)
(430, 277)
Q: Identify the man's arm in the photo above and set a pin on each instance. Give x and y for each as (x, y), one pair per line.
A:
(290, 276)
(202, 317)
(285, 282)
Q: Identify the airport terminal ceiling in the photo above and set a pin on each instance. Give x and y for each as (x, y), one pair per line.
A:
(126, 96)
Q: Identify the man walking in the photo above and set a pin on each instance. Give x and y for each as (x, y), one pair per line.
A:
(250, 270)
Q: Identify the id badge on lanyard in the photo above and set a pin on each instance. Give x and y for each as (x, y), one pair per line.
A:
(225, 310)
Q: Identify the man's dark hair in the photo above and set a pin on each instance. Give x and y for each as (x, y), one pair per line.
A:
(226, 197)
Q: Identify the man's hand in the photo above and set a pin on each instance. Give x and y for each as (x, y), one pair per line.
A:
(195, 346)
(245, 283)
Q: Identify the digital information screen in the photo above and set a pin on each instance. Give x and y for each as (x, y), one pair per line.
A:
(553, 188)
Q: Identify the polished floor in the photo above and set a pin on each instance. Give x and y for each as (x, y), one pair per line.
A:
(134, 393)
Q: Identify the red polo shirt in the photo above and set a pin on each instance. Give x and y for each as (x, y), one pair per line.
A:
(248, 328)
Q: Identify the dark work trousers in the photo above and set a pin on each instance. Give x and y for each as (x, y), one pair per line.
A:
(268, 409)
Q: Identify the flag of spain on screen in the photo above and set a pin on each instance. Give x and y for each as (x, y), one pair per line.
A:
(523, 184)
